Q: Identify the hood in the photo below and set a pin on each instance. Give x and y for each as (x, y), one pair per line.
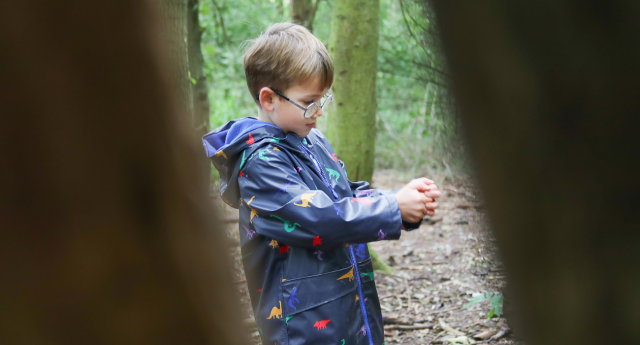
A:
(226, 144)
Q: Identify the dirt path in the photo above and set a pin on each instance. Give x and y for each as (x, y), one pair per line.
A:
(436, 270)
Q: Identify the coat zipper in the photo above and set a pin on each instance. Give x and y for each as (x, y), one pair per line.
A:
(356, 272)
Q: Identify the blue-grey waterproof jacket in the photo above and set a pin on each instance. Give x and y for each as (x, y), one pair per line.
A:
(303, 231)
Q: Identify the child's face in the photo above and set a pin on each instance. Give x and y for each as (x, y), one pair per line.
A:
(291, 118)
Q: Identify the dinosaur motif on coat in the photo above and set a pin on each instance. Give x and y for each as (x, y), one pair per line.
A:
(262, 156)
(362, 201)
(284, 189)
(348, 275)
(254, 213)
(288, 226)
(319, 254)
(317, 241)
(250, 141)
(306, 199)
(333, 173)
(293, 298)
(321, 324)
(249, 232)
(220, 153)
(276, 312)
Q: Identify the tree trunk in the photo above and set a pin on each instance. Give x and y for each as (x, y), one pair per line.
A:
(173, 33)
(351, 123)
(201, 106)
(105, 235)
(548, 92)
(303, 12)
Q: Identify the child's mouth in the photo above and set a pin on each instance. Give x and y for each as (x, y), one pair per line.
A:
(311, 125)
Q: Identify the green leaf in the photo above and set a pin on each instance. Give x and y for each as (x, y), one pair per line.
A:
(496, 304)
(475, 300)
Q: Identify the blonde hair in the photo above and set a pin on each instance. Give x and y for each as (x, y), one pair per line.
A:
(285, 54)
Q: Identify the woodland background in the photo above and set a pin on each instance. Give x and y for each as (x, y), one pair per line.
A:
(414, 118)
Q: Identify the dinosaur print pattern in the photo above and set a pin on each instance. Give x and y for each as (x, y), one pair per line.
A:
(293, 298)
(276, 140)
(321, 324)
(362, 201)
(249, 232)
(275, 312)
(254, 213)
(220, 153)
(333, 173)
(284, 249)
(348, 275)
(360, 251)
(369, 274)
(317, 241)
(365, 192)
(250, 141)
(338, 209)
(381, 235)
(306, 199)
(288, 227)
(262, 156)
(363, 330)
(319, 254)
(242, 174)
(284, 189)
(335, 159)
(275, 148)
(273, 244)
(243, 160)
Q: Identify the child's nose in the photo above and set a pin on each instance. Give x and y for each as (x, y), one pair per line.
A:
(319, 113)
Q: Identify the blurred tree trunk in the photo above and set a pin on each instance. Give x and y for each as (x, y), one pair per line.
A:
(201, 106)
(173, 31)
(351, 123)
(303, 12)
(548, 92)
(106, 236)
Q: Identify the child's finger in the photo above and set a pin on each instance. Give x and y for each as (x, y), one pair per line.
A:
(426, 180)
(431, 205)
(431, 213)
(434, 194)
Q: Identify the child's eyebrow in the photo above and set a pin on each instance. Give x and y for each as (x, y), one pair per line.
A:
(314, 95)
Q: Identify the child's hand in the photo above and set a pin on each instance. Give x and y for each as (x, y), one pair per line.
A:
(416, 199)
(430, 191)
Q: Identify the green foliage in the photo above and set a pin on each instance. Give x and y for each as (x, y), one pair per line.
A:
(496, 303)
(414, 116)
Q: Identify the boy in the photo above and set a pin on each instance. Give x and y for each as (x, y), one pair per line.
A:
(303, 225)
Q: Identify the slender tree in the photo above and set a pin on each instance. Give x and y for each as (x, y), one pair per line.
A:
(351, 124)
(173, 33)
(201, 105)
(303, 12)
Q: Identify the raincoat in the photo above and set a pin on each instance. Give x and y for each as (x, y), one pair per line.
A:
(303, 232)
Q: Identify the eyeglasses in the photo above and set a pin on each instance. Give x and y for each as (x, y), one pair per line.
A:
(313, 108)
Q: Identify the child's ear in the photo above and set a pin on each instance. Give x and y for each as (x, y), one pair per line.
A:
(267, 98)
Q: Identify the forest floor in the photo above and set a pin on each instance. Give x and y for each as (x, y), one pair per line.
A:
(437, 269)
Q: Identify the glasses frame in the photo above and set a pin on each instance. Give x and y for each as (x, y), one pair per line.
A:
(323, 105)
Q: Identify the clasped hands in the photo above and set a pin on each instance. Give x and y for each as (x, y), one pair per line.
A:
(417, 199)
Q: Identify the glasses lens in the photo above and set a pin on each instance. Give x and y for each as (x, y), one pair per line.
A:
(312, 110)
(326, 100)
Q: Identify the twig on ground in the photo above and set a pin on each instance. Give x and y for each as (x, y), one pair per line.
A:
(441, 310)
(407, 327)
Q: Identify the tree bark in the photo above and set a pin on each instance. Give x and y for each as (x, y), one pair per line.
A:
(303, 12)
(173, 33)
(201, 105)
(548, 92)
(351, 123)
(105, 236)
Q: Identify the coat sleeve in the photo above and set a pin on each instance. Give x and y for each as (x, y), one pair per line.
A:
(282, 207)
(361, 188)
